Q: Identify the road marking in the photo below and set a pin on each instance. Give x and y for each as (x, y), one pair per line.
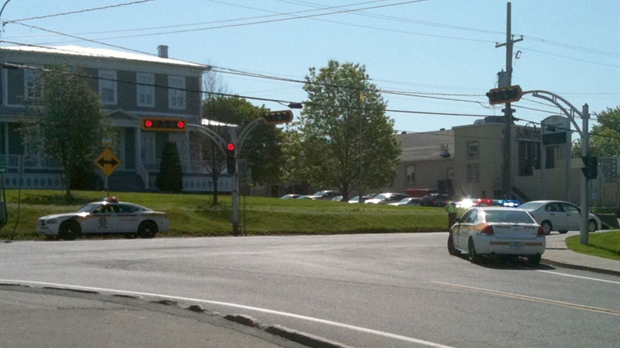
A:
(533, 299)
(234, 305)
(580, 277)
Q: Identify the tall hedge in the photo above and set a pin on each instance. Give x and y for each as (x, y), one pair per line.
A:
(170, 178)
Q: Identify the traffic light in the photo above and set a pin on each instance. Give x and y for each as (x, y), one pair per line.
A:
(590, 167)
(504, 94)
(231, 162)
(163, 124)
(276, 117)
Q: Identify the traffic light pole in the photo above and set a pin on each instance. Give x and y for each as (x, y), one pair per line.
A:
(569, 110)
(585, 142)
(239, 141)
(235, 185)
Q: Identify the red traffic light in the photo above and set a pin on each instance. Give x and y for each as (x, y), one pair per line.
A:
(164, 124)
(230, 147)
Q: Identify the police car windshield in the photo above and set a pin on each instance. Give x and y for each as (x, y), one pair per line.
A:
(88, 208)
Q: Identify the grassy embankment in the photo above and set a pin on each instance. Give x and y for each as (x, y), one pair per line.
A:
(194, 215)
(601, 244)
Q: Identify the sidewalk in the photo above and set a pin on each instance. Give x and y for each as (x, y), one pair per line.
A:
(558, 254)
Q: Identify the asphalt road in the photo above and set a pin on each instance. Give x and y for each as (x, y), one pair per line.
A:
(380, 290)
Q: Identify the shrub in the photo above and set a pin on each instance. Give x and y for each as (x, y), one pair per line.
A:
(170, 177)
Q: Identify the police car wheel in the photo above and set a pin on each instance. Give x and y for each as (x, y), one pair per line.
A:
(451, 249)
(69, 230)
(473, 255)
(147, 229)
(534, 259)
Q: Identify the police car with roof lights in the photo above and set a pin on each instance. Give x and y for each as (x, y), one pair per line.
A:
(497, 231)
(108, 216)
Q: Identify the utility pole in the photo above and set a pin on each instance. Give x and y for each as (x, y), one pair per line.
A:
(504, 81)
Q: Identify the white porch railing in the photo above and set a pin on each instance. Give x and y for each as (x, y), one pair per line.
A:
(32, 162)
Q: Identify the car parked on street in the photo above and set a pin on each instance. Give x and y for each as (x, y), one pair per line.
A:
(559, 216)
(497, 231)
(107, 216)
(386, 198)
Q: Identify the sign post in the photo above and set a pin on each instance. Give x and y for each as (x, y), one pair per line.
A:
(108, 163)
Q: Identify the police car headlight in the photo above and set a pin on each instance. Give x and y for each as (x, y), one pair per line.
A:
(51, 221)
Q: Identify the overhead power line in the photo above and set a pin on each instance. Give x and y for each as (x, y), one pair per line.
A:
(75, 12)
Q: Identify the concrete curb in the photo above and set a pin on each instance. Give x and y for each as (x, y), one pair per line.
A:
(277, 330)
(300, 337)
(303, 338)
(580, 267)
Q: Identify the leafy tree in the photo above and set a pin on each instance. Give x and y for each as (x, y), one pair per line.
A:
(170, 177)
(260, 150)
(604, 137)
(69, 125)
(347, 141)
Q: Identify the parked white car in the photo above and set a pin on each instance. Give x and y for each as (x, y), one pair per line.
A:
(559, 216)
(108, 216)
(409, 201)
(495, 231)
(386, 198)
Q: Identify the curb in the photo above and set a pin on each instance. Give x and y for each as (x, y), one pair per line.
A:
(300, 337)
(303, 338)
(580, 267)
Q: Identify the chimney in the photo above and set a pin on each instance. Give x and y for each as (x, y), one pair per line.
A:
(162, 51)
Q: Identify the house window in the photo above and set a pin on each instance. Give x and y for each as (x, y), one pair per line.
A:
(472, 172)
(472, 150)
(146, 89)
(176, 92)
(107, 87)
(410, 175)
(33, 86)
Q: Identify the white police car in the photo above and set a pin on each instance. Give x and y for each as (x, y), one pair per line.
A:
(497, 231)
(108, 216)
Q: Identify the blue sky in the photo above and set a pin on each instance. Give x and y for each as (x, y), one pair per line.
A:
(434, 60)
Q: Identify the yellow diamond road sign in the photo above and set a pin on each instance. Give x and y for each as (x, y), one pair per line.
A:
(107, 162)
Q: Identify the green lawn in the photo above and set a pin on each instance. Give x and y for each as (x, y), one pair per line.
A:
(195, 214)
(601, 244)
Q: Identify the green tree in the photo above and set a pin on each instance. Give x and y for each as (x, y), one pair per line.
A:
(604, 137)
(69, 125)
(347, 141)
(170, 177)
(261, 150)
